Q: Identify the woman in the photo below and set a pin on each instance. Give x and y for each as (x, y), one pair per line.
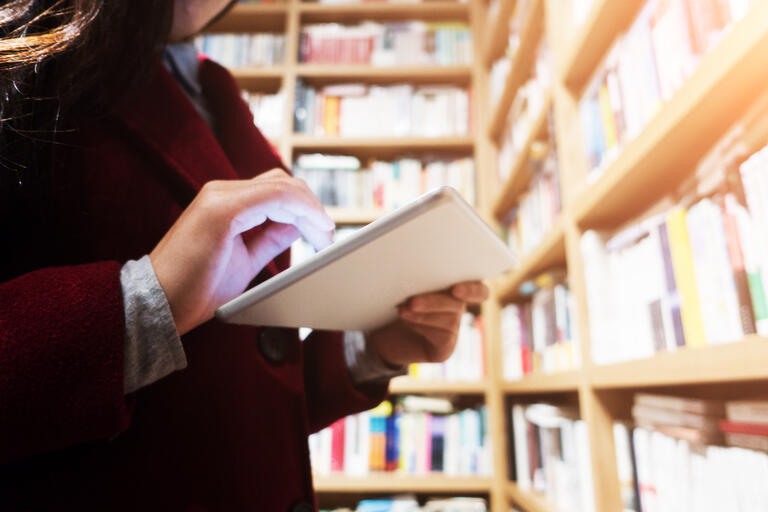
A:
(137, 197)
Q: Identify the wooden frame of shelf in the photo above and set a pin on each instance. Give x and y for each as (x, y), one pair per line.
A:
(550, 253)
(406, 385)
(606, 20)
(438, 10)
(328, 73)
(496, 39)
(520, 176)
(529, 500)
(397, 483)
(530, 34)
(535, 383)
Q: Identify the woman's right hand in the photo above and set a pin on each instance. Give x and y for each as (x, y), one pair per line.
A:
(208, 257)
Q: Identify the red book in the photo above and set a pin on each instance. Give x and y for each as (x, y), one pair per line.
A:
(337, 446)
(735, 427)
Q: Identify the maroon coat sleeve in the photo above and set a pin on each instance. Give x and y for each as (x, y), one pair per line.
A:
(331, 394)
(61, 359)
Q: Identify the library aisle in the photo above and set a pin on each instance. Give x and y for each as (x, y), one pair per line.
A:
(619, 148)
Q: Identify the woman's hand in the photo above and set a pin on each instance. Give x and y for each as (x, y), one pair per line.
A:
(428, 325)
(208, 257)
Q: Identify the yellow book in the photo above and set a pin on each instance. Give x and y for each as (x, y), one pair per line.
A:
(331, 116)
(606, 115)
(682, 264)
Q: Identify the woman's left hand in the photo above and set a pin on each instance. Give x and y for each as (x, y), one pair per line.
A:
(428, 325)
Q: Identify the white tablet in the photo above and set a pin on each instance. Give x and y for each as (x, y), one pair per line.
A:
(356, 284)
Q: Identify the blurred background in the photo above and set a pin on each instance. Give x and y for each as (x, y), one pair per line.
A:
(618, 147)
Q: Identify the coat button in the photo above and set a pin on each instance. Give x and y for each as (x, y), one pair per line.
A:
(302, 506)
(273, 345)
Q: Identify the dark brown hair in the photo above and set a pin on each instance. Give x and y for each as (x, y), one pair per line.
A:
(58, 57)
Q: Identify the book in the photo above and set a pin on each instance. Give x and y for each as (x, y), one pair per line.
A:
(243, 49)
(680, 404)
(747, 411)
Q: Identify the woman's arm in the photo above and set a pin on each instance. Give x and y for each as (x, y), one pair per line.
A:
(61, 359)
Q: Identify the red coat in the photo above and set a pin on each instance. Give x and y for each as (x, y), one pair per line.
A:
(230, 431)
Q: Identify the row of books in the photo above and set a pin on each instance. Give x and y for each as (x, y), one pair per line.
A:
(398, 110)
(688, 277)
(243, 50)
(411, 504)
(692, 454)
(645, 67)
(412, 43)
(467, 363)
(415, 436)
(344, 181)
(550, 454)
(267, 110)
(539, 335)
(538, 208)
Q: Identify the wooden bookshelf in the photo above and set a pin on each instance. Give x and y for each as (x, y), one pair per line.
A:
(329, 73)
(519, 175)
(436, 11)
(396, 483)
(644, 172)
(665, 152)
(496, 40)
(606, 20)
(550, 253)
(741, 361)
(253, 17)
(406, 385)
(530, 35)
(529, 500)
(382, 147)
(536, 383)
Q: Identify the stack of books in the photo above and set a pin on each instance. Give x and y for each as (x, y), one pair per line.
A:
(467, 363)
(343, 181)
(645, 67)
(675, 457)
(398, 110)
(411, 504)
(538, 208)
(267, 112)
(413, 43)
(540, 335)
(415, 436)
(243, 50)
(550, 454)
(527, 107)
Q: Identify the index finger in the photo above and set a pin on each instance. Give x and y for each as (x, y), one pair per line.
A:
(473, 292)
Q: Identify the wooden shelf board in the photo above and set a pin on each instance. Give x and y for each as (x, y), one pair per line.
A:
(354, 216)
(392, 482)
(550, 253)
(592, 41)
(498, 36)
(384, 11)
(266, 79)
(520, 176)
(530, 501)
(404, 385)
(522, 64)
(383, 147)
(253, 17)
(329, 73)
(742, 361)
(544, 383)
(728, 79)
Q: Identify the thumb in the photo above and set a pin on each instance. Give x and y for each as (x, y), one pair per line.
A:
(269, 242)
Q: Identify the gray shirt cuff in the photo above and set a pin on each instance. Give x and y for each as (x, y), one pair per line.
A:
(152, 345)
(364, 364)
